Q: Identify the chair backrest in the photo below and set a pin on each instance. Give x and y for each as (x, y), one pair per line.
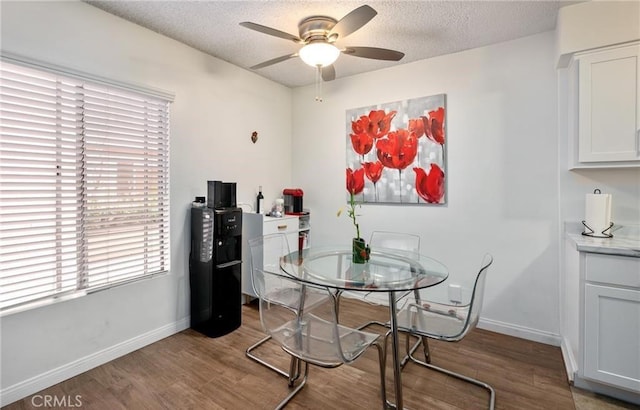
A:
(398, 241)
(395, 240)
(444, 321)
(310, 333)
(477, 296)
(272, 288)
(266, 252)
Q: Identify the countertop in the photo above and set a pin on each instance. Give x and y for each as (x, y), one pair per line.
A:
(625, 241)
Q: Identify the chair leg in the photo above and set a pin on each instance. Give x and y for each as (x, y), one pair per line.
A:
(492, 393)
(257, 359)
(299, 387)
(382, 352)
(425, 349)
(382, 360)
(295, 369)
(410, 350)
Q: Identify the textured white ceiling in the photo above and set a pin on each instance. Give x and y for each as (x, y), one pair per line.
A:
(420, 29)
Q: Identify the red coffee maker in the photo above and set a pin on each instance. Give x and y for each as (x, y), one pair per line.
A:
(293, 201)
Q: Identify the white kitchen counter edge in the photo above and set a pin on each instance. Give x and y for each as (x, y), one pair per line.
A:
(625, 241)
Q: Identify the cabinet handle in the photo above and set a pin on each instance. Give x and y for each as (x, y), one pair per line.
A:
(282, 227)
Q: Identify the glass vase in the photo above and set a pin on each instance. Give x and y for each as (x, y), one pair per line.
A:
(361, 251)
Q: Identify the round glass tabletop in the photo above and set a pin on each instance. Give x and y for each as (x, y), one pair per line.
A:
(386, 270)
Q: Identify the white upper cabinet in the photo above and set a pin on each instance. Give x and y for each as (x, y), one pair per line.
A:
(606, 104)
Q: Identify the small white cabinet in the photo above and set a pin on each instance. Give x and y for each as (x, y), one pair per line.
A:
(611, 321)
(605, 98)
(255, 225)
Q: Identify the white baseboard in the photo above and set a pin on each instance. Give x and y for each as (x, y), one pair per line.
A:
(520, 331)
(570, 363)
(42, 381)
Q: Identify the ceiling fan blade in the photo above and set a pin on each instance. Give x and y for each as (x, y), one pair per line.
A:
(352, 22)
(374, 52)
(273, 61)
(271, 31)
(328, 73)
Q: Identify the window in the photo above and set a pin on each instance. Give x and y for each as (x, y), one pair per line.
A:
(84, 185)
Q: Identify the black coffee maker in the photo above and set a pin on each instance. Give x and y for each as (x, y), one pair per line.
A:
(215, 261)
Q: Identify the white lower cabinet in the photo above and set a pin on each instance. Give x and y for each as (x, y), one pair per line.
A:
(255, 225)
(611, 321)
(612, 336)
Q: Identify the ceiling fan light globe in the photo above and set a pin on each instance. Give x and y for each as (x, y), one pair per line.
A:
(319, 54)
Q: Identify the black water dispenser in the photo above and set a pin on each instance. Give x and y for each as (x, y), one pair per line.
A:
(215, 262)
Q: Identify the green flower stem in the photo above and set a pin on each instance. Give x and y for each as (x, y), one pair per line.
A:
(352, 214)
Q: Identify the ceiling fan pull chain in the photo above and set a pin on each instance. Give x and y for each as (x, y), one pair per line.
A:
(318, 83)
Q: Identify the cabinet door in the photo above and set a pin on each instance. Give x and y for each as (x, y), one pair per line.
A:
(612, 336)
(609, 107)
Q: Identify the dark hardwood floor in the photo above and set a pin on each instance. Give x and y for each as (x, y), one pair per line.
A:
(191, 371)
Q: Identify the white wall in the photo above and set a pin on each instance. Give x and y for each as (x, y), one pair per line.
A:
(502, 172)
(217, 106)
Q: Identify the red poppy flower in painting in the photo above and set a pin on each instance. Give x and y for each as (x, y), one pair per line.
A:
(355, 180)
(430, 186)
(398, 150)
(379, 123)
(361, 143)
(416, 125)
(434, 126)
(373, 170)
(361, 125)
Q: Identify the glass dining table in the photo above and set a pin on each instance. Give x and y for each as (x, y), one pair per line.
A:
(390, 271)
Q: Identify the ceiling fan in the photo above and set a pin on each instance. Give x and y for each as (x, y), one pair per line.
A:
(318, 35)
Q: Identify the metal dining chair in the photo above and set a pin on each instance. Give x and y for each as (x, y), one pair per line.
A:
(310, 333)
(450, 323)
(266, 254)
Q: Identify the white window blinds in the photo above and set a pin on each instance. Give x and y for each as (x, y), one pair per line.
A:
(84, 185)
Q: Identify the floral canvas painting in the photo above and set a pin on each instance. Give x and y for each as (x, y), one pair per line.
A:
(396, 151)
